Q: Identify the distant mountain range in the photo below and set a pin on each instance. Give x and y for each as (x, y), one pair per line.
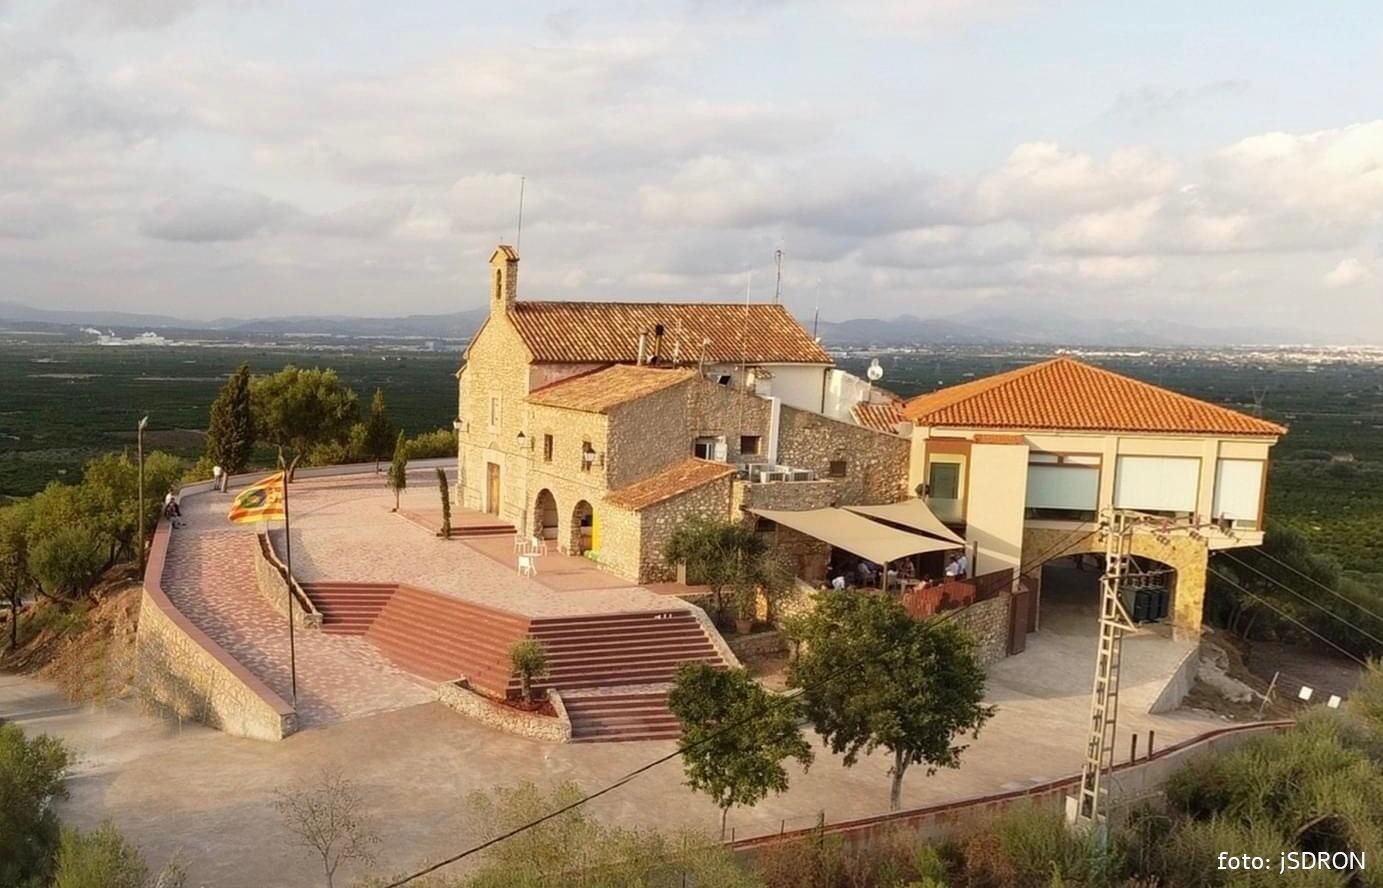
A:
(979, 327)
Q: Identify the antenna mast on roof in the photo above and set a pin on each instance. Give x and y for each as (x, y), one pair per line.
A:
(518, 237)
(778, 282)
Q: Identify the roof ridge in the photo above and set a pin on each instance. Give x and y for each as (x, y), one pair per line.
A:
(1071, 394)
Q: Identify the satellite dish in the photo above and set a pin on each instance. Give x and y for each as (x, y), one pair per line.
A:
(875, 372)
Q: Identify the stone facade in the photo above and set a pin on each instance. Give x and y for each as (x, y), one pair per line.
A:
(875, 469)
(458, 695)
(1186, 555)
(987, 623)
(573, 455)
(179, 671)
(657, 522)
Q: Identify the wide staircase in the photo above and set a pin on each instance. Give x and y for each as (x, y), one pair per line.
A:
(348, 608)
(465, 530)
(613, 669)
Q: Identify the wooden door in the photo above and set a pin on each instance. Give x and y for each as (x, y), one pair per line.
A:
(492, 488)
(1019, 607)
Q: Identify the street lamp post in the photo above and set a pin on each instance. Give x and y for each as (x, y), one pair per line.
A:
(139, 447)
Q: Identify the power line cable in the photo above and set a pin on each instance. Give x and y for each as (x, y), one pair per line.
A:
(1329, 613)
(1316, 582)
(733, 726)
(1286, 615)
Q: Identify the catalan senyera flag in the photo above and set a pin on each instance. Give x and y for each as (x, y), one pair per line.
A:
(261, 501)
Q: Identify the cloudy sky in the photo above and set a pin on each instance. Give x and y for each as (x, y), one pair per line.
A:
(1218, 162)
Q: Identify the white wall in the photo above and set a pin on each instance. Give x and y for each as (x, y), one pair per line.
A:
(994, 516)
(797, 385)
(843, 391)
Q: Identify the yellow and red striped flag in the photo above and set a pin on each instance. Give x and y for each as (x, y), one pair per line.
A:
(261, 501)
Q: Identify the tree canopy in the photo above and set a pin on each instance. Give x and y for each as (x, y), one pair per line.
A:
(31, 777)
(873, 677)
(717, 553)
(296, 407)
(740, 766)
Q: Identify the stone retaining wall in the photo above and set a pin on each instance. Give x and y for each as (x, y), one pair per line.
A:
(271, 578)
(459, 696)
(759, 644)
(183, 671)
(987, 622)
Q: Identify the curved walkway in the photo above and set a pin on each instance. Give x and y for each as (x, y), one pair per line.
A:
(209, 576)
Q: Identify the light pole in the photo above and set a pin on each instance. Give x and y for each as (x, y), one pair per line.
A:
(139, 447)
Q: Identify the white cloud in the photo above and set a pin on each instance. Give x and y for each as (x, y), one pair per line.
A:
(213, 214)
(1347, 273)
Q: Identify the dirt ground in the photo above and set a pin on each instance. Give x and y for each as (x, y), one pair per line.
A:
(86, 649)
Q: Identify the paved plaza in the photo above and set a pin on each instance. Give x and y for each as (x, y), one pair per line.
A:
(209, 796)
(344, 530)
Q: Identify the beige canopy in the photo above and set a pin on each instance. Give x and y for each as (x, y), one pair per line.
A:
(856, 534)
(911, 513)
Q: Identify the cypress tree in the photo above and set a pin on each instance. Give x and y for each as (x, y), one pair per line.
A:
(379, 429)
(398, 469)
(230, 437)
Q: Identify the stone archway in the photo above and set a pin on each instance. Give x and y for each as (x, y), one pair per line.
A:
(545, 516)
(582, 528)
(1183, 554)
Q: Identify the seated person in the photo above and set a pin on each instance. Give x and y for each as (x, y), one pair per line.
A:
(838, 583)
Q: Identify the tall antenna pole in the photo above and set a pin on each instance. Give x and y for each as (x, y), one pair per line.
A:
(518, 237)
(778, 282)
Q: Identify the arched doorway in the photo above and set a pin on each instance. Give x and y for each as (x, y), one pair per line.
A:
(545, 516)
(582, 528)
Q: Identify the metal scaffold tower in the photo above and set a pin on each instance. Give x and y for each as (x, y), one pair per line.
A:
(1117, 527)
(1088, 807)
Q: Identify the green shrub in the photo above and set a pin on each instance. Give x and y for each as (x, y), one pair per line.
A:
(1024, 847)
(529, 659)
(31, 777)
(432, 445)
(68, 561)
(101, 858)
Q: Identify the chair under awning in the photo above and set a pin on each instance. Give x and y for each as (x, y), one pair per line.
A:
(857, 534)
(910, 513)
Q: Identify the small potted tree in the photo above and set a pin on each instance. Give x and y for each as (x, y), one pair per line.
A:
(529, 659)
(746, 605)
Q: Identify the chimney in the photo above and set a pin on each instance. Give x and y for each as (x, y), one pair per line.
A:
(658, 331)
(504, 278)
(643, 346)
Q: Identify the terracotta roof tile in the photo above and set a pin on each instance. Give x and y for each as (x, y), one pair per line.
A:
(1068, 394)
(608, 332)
(879, 417)
(675, 480)
(600, 390)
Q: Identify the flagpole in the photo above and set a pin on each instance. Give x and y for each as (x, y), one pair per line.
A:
(288, 562)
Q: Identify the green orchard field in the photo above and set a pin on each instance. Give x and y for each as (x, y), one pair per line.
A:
(63, 403)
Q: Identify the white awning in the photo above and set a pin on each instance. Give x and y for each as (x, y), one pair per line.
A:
(857, 535)
(912, 513)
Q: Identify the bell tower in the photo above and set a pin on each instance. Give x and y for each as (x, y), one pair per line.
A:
(504, 278)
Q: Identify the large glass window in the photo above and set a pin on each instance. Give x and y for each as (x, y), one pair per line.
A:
(944, 484)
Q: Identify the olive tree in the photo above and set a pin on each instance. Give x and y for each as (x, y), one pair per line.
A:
(735, 735)
(873, 677)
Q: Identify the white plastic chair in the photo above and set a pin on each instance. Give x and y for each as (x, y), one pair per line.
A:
(528, 565)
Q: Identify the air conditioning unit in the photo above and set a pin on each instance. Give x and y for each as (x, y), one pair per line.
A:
(801, 475)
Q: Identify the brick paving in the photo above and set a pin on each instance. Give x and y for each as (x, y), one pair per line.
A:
(209, 576)
(344, 531)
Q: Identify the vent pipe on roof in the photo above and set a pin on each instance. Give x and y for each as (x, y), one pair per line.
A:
(658, 331)
(643, 346)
